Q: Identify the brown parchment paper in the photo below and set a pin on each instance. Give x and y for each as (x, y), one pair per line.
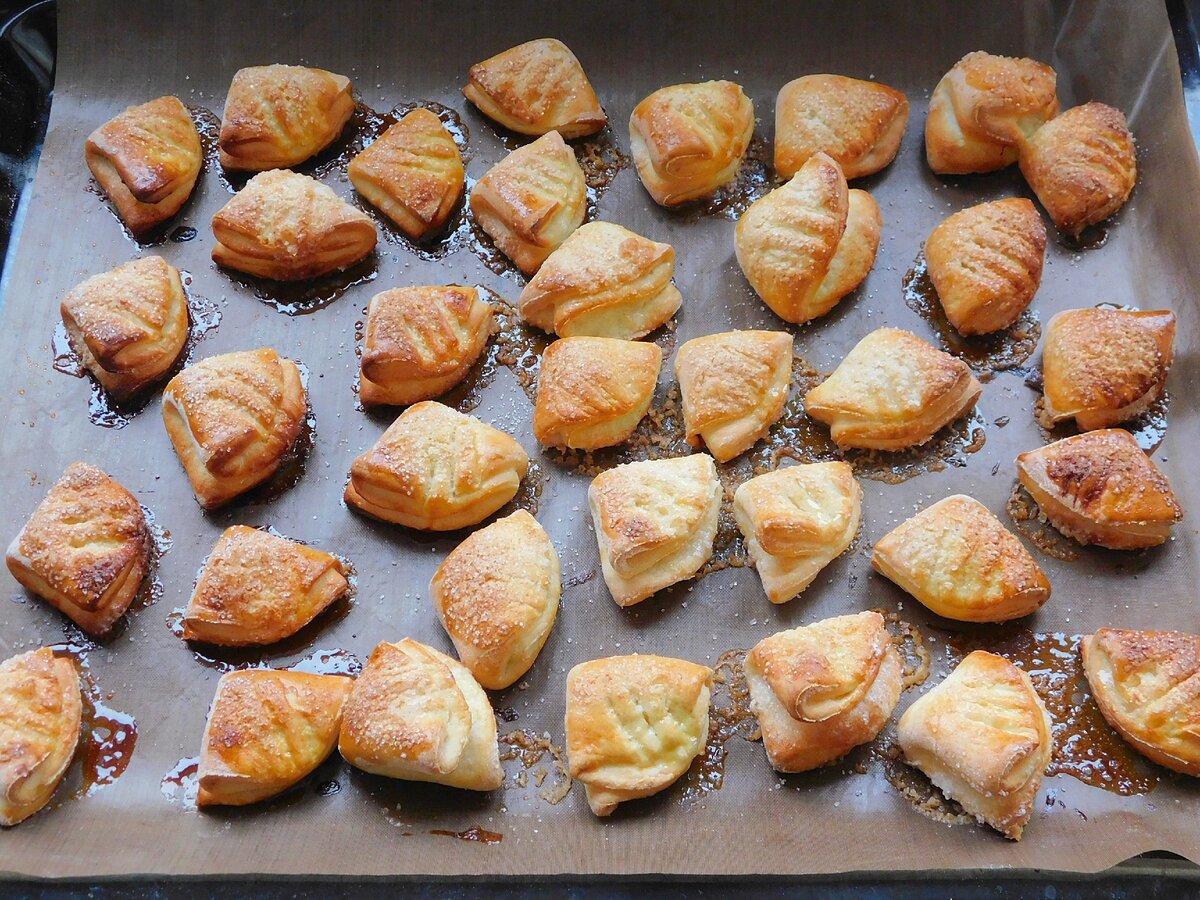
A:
(114, 55)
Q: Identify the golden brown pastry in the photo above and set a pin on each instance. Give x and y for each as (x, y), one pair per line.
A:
(421, 341)
(655, 523)
(232, 419)
(496, 595)
(821, 690)
(796, 521)
(983, 737)
(266, 730)
(809, 243)
(85, 549)
(892, 391)
(634, 725)
(437, 469)
(593, 391)
(417, 714)
(1100, 488)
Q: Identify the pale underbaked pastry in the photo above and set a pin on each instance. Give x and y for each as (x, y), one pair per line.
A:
(85, 549)
(796, 521)
(892, 391)
(128, 325)
(289, 227)
(536, 87)
(655, 523)
(266, 730)
(232, 419)
(437, 469)
(417, 714)
(1100, 488)
(689, 139)
(146, 160)
(959, 561)
(982, 736)
(593, 391)
(986, 263)
(258, 588)
(531, 201)
(807, 244)
(634, 725)
(821, 690)
(420, 342)
(496, 595)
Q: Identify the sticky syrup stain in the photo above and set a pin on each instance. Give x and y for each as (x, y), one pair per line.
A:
(1033, 525)
(601, 161)
(755, 179)
(914, 786)
(910, 643)
(473, 835)
(299, 298)
(1149, 429)
(729, 716)
(208, 126)
(1092, 238)
(181, 785)
(540, 758)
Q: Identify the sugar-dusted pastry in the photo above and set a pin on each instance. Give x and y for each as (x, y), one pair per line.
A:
(655, 522)
(821, 690)
(266, 730)
(604, 281)
(982, 736)
(689, 139)
(733, 386)
(417, 714)
(986, 263)
(41, 712)
(531, 201)
(146, 160)
(593, 391)
(1100, 488)
(437, 469)
(892, 391)
(1082, 165)
(796, 521)
(128, 325)
(1102, 367)
(536, 87)
(809, 243)
(258, 588)
(496, 595)
(85, 549)
(413, 172)
(1147, 684)
(634, 725)
(289, 227)
(278, 116)
(983, 111)
(232, 419)
(421, 341)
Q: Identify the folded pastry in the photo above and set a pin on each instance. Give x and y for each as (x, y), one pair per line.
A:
(604, 281)
(85, 549)
(278, 116)
(290, 227)
(1100, 488)
(655, 523)
(421, 341)
(796, 521)
(984, 110)
(982, 736)
(437, 469)
(809, 243)
(892, 391)
(689, 139)
(593, 391)
(634, 725)
(417, 714)
(536, 87)
(821, 690)
(986, 263)
(266, 730)
(531, 201)
(232, 419)
(128, 325)
(41, 711)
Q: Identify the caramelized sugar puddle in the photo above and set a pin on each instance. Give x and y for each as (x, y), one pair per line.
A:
(474, 835)
(729, 716)
(911, 645)
(1092, 238)
(1033, 525)
(755, 179)
(541, 761)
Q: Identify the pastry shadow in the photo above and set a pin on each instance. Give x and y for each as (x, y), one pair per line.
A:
(420, 803)
(313, 789)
